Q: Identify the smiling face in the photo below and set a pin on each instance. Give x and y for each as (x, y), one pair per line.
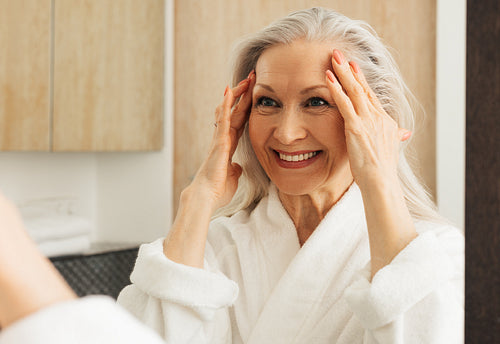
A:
(295, 129)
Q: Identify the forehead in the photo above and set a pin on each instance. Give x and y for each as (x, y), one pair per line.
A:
(301, 59)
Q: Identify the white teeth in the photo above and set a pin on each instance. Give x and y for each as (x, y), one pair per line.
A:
(297, 157)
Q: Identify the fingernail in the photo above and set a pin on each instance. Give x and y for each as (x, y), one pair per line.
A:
(330, 75)
(355, 67)
(225, 91)
(251, 76)
(406, 136)
(338, 56)
(251, 73)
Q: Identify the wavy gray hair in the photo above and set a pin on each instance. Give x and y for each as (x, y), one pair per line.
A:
(359, 42)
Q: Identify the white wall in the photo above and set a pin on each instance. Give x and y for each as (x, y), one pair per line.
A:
(450, 109)
(127, 195)
(28, 176)
(133, 196)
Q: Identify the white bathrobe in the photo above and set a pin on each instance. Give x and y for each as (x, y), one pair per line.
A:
(259, 286)
(89, 320)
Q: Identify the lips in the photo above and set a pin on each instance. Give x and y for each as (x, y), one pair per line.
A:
(298, 159)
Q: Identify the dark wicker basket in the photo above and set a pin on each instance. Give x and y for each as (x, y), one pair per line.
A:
(104, 274)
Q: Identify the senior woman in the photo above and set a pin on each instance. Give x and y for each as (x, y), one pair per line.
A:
(321, 233)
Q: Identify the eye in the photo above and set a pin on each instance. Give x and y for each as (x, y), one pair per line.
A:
(316, 101)
(265, 101)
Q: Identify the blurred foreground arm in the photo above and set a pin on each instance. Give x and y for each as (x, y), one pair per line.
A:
(37, 306)
(28, 281)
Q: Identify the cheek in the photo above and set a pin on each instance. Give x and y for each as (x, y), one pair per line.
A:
(252, 130)
(256, 131)
(337, 122)
(339, 129)
(333, 132)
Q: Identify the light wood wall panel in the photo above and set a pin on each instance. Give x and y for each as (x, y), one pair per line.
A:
(108, 75)
(24, 74)
(205, 33)
(409, 27)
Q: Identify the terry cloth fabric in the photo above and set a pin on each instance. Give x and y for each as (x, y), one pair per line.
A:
(61, 247)
(259, 286)
(59, 234)
(56, 227)
(90, 320)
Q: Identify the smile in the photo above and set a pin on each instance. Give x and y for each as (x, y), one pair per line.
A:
(296, 160)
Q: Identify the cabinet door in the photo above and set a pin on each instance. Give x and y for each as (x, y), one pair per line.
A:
(108, 75)
(24, 75)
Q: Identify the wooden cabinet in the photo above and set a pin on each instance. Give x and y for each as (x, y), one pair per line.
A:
(108, 75)
(24, 75)
(88, 75)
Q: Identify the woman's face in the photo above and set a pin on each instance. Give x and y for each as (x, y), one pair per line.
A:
(295, 128)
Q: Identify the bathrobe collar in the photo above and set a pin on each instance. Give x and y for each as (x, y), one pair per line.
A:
(298, 279)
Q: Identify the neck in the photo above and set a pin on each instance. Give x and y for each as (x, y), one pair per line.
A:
(307, 211)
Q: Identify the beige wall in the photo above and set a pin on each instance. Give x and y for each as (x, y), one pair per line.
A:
(205, 32)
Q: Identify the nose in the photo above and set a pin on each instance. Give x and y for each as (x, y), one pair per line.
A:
(290, 127)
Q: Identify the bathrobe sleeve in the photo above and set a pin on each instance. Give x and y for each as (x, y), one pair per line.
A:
(181, 303)
(90, 320)
(418, 297)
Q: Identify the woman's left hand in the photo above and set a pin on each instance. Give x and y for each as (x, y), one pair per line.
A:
(373, 139)
(372, 136)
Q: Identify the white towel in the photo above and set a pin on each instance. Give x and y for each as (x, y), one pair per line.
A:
(75, 245)
(41, 207)
(53, 224)
(57, 227)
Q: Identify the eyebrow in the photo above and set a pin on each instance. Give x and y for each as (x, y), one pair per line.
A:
(305, 90)
(312, 88)
(267, 87)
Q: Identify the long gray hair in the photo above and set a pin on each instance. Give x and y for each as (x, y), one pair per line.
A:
(359, 42)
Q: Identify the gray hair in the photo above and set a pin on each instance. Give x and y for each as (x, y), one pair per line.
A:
(359, 42)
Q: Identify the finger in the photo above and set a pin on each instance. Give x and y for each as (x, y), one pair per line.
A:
(227, 102)
(351, 85)
(240, 88)
(360, 77)
(224, 120)
(341, 99)
(242, 109)
(218, 115)
(404, 134)
(237, 91)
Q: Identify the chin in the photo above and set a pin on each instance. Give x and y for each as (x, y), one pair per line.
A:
(296, 187)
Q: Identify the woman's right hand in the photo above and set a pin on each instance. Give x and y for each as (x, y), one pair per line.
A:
(215, 183)
(217, 178)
